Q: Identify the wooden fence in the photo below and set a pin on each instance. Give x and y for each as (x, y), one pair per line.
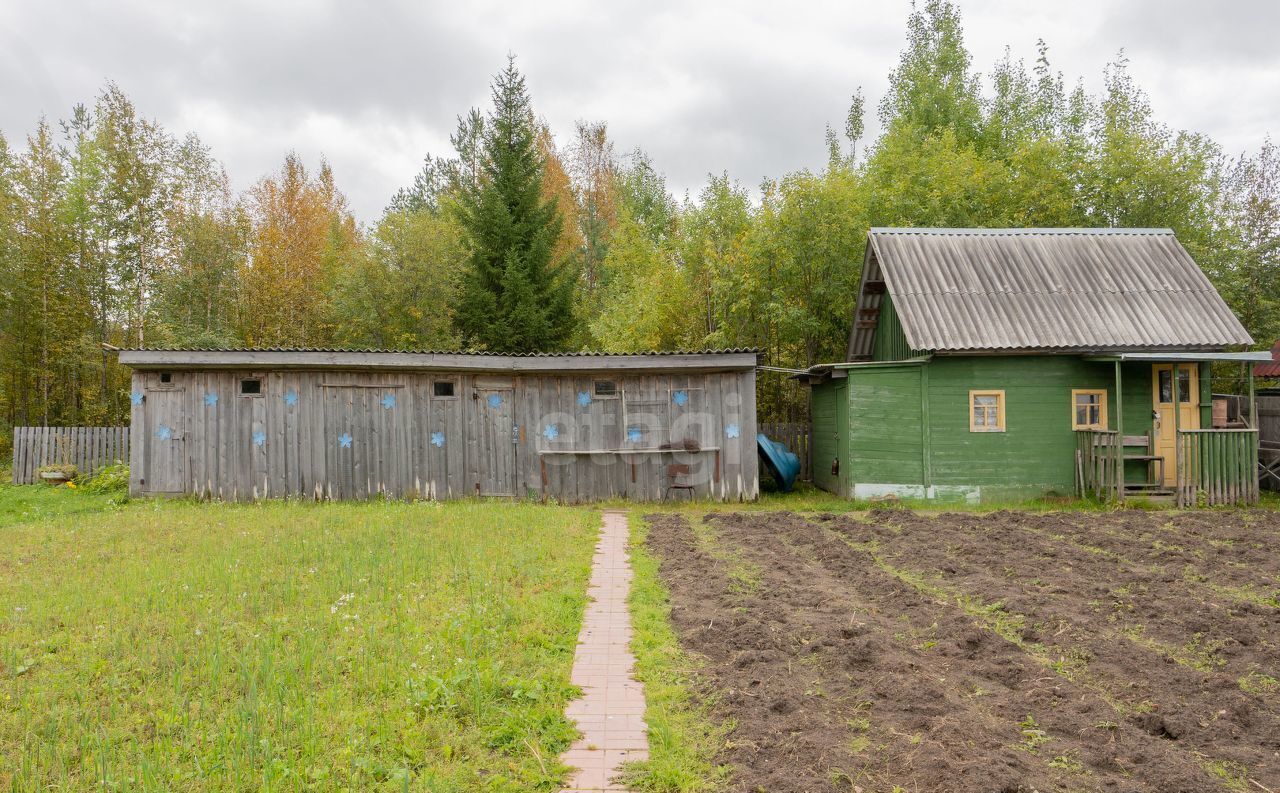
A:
(1099, 457)
(87, 448)
(1217, 467)
(795, 436)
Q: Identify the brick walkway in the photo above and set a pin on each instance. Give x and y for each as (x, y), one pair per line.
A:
(610, 713)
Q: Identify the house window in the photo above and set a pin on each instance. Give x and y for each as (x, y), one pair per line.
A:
(1088, 409)
(442, 388)
(606, 388)
(166, 377)
(251, 387)
(986, 411)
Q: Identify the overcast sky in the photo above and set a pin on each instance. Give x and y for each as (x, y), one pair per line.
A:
(746, 87)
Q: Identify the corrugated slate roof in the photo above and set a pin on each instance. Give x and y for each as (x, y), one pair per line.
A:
(1051, 289)
(571, 354)
(330, 358)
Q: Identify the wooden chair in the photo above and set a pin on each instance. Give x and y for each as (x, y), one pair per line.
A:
(678, 479)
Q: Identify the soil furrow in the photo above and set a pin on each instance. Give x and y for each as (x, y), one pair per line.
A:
(1204, 709)
(837, 673)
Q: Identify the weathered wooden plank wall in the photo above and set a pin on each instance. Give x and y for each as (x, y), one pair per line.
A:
(1269, 437)
(1269, 418)
(355, 434)
(87, 448)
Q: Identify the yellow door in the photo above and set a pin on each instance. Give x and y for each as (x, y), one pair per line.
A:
(1163, 378)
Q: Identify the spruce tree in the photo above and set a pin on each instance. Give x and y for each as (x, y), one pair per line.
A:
(515, 298)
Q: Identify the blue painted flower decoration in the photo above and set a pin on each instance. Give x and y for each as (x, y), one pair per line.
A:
(634, 435)
(164, 432)
(551, 432)
(136, 397)
(259, 438)
(680, 398)
(495, 400)
(344, 441)
(291, 398)
(211, 399)
(732, 431)
(437, 439)
(389, 401)
(584, 398)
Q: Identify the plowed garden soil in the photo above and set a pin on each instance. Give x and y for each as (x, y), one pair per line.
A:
(1122, 651)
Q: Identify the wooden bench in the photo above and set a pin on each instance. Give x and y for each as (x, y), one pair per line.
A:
(1147, 443)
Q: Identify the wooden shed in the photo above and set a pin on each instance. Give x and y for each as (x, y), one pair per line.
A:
(339, 424)
(992, 364)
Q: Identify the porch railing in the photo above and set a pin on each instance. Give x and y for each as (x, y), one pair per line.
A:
(1219, 466)
(1099, 458)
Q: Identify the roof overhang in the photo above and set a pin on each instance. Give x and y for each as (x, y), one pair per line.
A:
(735, 360)
(838, 371)
(1160, 357)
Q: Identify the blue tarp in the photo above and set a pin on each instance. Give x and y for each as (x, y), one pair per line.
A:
(781, 463)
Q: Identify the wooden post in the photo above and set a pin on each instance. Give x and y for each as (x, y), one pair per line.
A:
(1254, 481)
(926, 453)
(1119, 435)
(1177, 428)
(1253, 402)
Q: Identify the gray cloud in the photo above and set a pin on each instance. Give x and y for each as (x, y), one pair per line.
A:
(740, 87)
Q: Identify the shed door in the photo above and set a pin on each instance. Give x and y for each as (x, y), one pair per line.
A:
(166, 470)
(363, 440)
(1163, 381)
(496, 444)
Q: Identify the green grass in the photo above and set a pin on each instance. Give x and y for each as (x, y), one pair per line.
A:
(684, 737)
(286, 646)
(33, 503)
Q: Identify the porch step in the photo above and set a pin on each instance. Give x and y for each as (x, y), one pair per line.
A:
(1147, 488)
(1151, 492)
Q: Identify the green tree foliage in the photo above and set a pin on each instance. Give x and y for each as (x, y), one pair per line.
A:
(515, 297)
(1250, 279)
(400, 292)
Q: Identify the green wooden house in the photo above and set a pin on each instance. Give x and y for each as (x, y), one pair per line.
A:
(994, 364)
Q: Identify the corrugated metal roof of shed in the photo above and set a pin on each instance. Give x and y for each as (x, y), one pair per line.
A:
(1270, 369)
(1051, 289)
(569, 354)
(324, 358)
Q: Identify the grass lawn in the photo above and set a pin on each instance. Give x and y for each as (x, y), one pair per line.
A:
(286, 646)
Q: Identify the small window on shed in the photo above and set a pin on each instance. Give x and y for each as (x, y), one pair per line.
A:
(166, 377)
(606, 388)
(986, 411)
(442, 388)
(1088, 409)
(251, 387)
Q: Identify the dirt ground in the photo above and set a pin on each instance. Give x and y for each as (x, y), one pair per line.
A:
(1124, 651)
